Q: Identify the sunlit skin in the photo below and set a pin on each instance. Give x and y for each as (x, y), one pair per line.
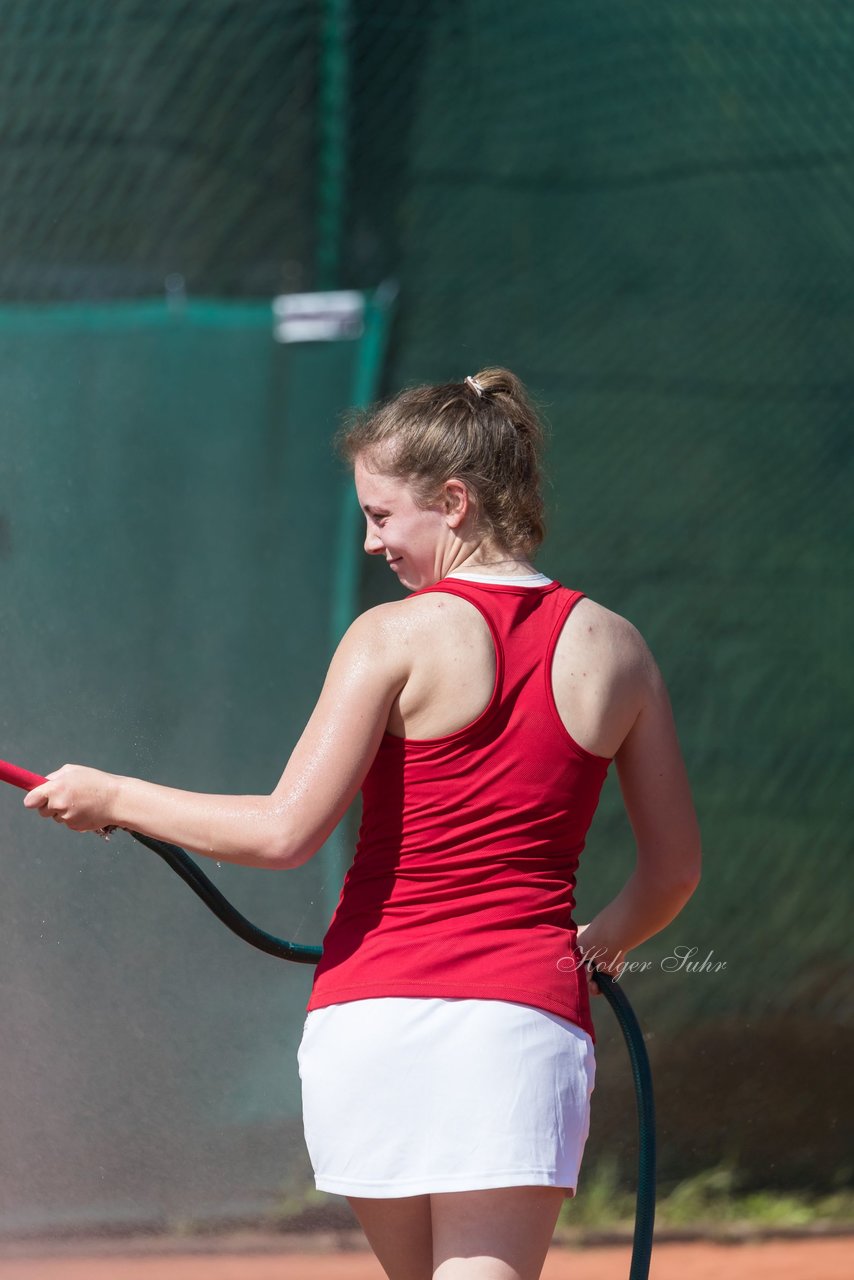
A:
(422, 667)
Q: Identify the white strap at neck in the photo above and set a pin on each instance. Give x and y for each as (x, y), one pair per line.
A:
(523, 580)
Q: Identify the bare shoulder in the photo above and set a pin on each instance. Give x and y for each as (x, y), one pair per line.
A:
(608, 641)
(397, 633)
(603, 675)
(372, 645)
(438, 652)
(398, 619)
(422, 615)
(380, 630)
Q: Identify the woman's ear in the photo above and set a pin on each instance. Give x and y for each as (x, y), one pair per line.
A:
(457, 502)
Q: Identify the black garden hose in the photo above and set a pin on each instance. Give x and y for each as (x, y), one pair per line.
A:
(190, 872)
(642, 1076)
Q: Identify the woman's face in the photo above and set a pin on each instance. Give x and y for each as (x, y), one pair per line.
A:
(418, 543)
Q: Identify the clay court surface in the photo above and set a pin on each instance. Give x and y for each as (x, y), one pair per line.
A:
(793, 1259)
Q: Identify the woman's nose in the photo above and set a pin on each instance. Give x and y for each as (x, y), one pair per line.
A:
(373, 543)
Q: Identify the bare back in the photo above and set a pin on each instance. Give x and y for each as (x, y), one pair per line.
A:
(597, 672)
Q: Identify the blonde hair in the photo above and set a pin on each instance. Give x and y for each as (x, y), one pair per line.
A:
(483, 431)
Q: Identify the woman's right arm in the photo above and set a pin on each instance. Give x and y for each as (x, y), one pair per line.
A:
(660, 809)
(321, 779)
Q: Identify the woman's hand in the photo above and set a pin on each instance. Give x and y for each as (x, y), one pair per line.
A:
(80, 798)
(598, 953)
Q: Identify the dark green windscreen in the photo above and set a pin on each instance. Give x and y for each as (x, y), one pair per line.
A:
(642, 209)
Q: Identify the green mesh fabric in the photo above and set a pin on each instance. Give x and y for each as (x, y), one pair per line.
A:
(643, 210)
(143, 139)
(171, 510)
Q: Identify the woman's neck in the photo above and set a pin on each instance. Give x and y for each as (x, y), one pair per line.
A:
(498, 565)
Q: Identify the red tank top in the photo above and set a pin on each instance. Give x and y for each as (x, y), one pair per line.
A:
(464, 875)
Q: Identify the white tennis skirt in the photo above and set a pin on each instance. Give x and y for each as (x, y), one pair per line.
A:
(407, 1096)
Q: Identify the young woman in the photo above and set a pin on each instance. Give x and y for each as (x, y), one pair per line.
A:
(447, 1058)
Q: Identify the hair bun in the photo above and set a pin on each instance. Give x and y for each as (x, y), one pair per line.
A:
(496, 381)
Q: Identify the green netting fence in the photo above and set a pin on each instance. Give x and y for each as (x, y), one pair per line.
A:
(644, 210)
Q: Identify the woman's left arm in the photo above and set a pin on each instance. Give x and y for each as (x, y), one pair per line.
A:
(322, 777)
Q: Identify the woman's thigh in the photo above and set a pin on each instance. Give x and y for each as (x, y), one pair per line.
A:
(399, 1231)
(500, 1234)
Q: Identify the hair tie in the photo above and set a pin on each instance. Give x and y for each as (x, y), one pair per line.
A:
(475, 385)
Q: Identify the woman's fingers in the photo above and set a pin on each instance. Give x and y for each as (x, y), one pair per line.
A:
(44, 800)
(75, 795)
(38, 798)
